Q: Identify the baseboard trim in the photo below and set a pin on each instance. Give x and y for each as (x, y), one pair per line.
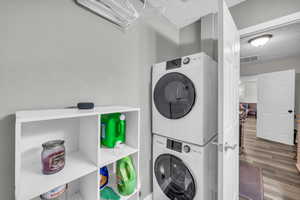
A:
(149, 197)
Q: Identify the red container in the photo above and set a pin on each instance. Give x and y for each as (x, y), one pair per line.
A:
(53, 156)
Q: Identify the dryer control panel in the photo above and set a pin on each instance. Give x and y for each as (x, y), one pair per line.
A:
(173, 64)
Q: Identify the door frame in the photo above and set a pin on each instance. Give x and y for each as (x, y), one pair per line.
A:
(228, 111)
(270, 25)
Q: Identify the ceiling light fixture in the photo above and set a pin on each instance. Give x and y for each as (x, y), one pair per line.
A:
(261, 40)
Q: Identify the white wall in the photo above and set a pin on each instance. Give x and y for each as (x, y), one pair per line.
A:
(248, 89)
(252, 12)
(277, 65)
(209, 35)
(53, 54)
(271, 66)
(190, 39)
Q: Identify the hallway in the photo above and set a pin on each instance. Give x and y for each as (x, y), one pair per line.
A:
(281, 179)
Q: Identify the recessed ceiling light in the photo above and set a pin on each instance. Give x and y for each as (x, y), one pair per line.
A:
(260, 40)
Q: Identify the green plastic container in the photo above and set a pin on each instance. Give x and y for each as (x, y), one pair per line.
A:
(126, 176)
(109, 194)
(113, 129)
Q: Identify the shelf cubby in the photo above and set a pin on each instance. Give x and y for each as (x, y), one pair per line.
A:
(85, 187)
(113, 179)
(131, 145)
(80, 136)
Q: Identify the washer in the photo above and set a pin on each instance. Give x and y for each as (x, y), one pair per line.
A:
(182, 171)
(184, 99)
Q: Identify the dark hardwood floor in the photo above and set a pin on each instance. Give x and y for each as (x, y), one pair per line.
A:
(281, 179)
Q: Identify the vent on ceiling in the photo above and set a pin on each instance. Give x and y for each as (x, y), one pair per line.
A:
(249, 59)
(119, 12)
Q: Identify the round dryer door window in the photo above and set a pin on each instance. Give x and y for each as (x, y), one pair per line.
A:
(174, 95)
(174, 178)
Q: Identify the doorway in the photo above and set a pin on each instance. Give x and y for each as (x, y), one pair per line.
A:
(269, 90)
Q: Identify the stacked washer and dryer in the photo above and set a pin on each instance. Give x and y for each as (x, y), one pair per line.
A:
(184, 124)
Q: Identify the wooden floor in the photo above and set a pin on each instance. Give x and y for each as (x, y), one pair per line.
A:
(277, 161)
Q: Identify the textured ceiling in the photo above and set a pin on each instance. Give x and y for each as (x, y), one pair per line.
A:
(285, 43)
(185, 12)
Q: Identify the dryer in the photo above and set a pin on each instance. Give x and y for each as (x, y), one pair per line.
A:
(184, 98)
(182, 171)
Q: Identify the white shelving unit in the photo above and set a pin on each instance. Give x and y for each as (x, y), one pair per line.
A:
(84, 155)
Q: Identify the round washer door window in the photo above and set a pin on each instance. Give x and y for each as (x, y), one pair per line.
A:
(174, 178)
(174, 95)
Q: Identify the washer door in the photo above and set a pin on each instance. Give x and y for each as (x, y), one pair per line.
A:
(174, 178)
(174, 95)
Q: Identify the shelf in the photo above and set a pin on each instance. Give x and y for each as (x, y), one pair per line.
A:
(76, 196)
(34, 183)
(41, 115)
(111, 155)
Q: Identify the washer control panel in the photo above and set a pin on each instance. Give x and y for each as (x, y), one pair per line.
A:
(174, 145)
(178, 146)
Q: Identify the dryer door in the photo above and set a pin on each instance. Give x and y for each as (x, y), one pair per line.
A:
(174, 95)
(174, 178)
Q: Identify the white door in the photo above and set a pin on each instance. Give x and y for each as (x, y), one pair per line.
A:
(275, 107)
(228, 124)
